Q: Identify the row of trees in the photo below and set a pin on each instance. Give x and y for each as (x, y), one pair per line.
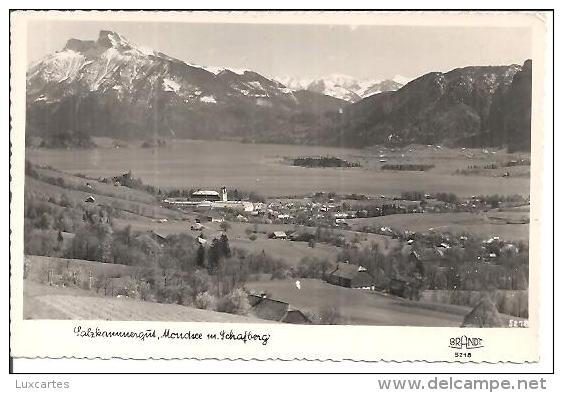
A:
(234, 194)
(459, 268)
(449, 197)
(407, 167)
(323, 162)
(68, 139)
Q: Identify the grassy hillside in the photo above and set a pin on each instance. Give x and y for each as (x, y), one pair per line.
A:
(121, 198)
(45, 302)
(37, 267)
(358, 307)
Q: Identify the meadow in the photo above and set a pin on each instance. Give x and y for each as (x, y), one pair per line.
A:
(478, 224)
(358, 307)
(290, 252)
(62, 303)
(263, 168)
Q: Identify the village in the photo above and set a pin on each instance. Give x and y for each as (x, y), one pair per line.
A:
(331, 211)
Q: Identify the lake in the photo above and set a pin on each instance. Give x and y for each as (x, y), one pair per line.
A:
(261, 168)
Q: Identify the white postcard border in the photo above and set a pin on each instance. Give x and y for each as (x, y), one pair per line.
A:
(56, 339)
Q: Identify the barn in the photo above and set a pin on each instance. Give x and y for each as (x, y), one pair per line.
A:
(351, 276)
(160, 237)
(422, 259)
(276, 310)
(278, 235)
(405, 288)
(295, 316)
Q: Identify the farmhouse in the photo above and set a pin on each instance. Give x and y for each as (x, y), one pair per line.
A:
(159, 236)
(241, 218)
(275, 310)
(278, 235)
(351, 276)
(210, 216)
(404, 288)
(90, 199)
(421, 259)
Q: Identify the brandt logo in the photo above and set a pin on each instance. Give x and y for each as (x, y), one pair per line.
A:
(464, 342)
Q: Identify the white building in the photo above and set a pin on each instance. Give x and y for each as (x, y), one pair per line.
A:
(206, 195)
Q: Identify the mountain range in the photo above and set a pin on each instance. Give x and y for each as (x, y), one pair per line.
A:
(113, 87)
(345, 87)
(470, 106)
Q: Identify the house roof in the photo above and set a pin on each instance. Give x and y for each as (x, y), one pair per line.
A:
(270, 309)
(425, 254)
(407, 249)
(205, 193)
(275, 310)
(295, 316)
(429, 254)
(68, 237)
(280, 234)
(347, 270)
(254, 299)
(160, 234)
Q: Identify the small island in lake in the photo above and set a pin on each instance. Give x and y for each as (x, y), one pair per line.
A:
(324, 162)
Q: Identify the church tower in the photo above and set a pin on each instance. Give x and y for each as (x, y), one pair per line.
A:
(224, 194)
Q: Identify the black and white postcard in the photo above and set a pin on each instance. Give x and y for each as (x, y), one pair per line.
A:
(277, 185)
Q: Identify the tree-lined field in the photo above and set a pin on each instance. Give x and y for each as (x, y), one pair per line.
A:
(472, 223)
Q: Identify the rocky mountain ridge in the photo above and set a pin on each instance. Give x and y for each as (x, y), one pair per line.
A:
(112, 87)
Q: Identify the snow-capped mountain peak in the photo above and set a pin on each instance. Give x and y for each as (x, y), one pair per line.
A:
(403, 80)
(115, 86)
(344, 86)
(112, 62)
(112, 39)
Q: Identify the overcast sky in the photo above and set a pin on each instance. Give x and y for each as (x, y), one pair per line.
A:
(305, 51)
